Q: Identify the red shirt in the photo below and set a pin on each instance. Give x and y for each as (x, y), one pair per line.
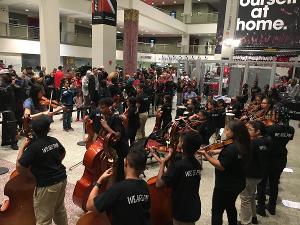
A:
(57, 78)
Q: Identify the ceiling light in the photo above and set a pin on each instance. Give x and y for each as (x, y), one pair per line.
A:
(152, 3)
(175, 2)
(79, 21)
(27, 10)
(119, 32)
(163, 3)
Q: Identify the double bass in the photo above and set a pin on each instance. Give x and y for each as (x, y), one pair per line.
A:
(161, 203)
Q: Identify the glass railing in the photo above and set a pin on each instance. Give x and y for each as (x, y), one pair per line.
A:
(202, 49)
(19, 31)
(199, 18)
(32, 33)
(78, 39)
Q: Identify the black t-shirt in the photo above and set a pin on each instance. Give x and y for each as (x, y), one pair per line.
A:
(115, 123)
(259, 161)
(205, 131)
(280, 135)
(44, 156)
(213, 118)
(129, 202)
(143, 99)
(133, 118)
(233, 177)
(220, 122)
(184, 179)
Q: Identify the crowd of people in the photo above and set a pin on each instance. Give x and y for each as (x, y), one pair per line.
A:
(120, 105)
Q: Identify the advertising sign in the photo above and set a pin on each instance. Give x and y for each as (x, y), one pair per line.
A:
(104, 12)
(269, 23)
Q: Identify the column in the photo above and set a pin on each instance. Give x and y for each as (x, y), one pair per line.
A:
(185, 44)
(67, 30)
(229, 28)
(4, 21)
(104, 46)
(130, 45)
(49, 33)
(187, 11)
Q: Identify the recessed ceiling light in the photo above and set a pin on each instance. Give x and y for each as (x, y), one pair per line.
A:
(79, 21)
(119, 32)
(27, 10)
(163, 3)
(175, 2)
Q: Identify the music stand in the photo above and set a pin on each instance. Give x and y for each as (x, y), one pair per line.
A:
(3, 170)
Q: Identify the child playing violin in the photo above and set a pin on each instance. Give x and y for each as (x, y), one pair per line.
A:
(183, 177)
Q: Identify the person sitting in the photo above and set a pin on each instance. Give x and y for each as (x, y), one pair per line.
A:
(128, 200)
(183, 177)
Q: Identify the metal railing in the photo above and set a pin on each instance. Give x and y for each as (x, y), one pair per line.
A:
(202, 49)
(19, 31)
(78, 39)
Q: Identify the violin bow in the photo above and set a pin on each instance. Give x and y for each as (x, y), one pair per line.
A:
(50, 100)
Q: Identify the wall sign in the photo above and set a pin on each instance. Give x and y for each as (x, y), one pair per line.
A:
(104, 12)
(269, 23)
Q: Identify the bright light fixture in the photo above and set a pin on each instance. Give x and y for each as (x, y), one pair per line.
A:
(27, 10)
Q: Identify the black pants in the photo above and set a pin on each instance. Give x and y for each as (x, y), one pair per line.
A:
(80, 111)
(224, 200)
(273, 175)
(9, 127)
(131, 135)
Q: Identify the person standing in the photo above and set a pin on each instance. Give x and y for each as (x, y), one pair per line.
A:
(43, 157)
(67, 96)
(8, 108)
(59, 75)
(183, 177)
(229, 176)
(281, 133)
(166, 111)
(143, 108)
(133, 120)
(255, 170)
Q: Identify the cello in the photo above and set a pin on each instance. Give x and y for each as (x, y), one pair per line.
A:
(18, 209)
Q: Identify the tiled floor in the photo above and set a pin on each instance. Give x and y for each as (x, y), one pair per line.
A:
(289, 183)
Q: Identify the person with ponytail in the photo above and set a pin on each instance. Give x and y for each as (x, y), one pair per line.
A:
(255, 170)
(229, 172)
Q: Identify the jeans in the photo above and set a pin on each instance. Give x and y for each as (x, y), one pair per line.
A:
(67, 116)
(273, 175)
(9, 127)
(248, 205)
(49, 204)
(79, 111)
(224, 200)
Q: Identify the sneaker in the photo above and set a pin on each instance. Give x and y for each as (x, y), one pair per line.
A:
(71, 129)
(14, 147)
(5, 143)
(67, 130)
(254, 220)
(261, 211)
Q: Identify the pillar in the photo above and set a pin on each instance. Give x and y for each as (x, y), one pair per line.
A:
(185, 44)
(229, 28)
(4, 21)
(49, 33)
(130, 45)
(187, 11)
(104, 46)
(67, 30)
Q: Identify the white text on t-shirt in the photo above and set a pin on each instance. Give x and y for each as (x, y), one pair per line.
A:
(137, 198)
(192, 173)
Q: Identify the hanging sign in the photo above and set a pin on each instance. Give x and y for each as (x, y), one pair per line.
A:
(104, 12)
(269, 23)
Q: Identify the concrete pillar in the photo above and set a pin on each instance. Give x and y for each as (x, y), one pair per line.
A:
(187, 11)
(130, 44)
(104, 46)
(229, 28)
(4, 21)
(49, 33)
(185, 44)
(67, 30)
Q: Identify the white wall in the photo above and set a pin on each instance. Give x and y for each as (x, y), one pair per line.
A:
(202, 28)
(12, 59)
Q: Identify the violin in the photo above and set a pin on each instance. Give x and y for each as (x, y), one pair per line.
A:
(215, 146)
(49, 102)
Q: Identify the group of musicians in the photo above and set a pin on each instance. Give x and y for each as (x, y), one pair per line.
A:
(255, 156)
